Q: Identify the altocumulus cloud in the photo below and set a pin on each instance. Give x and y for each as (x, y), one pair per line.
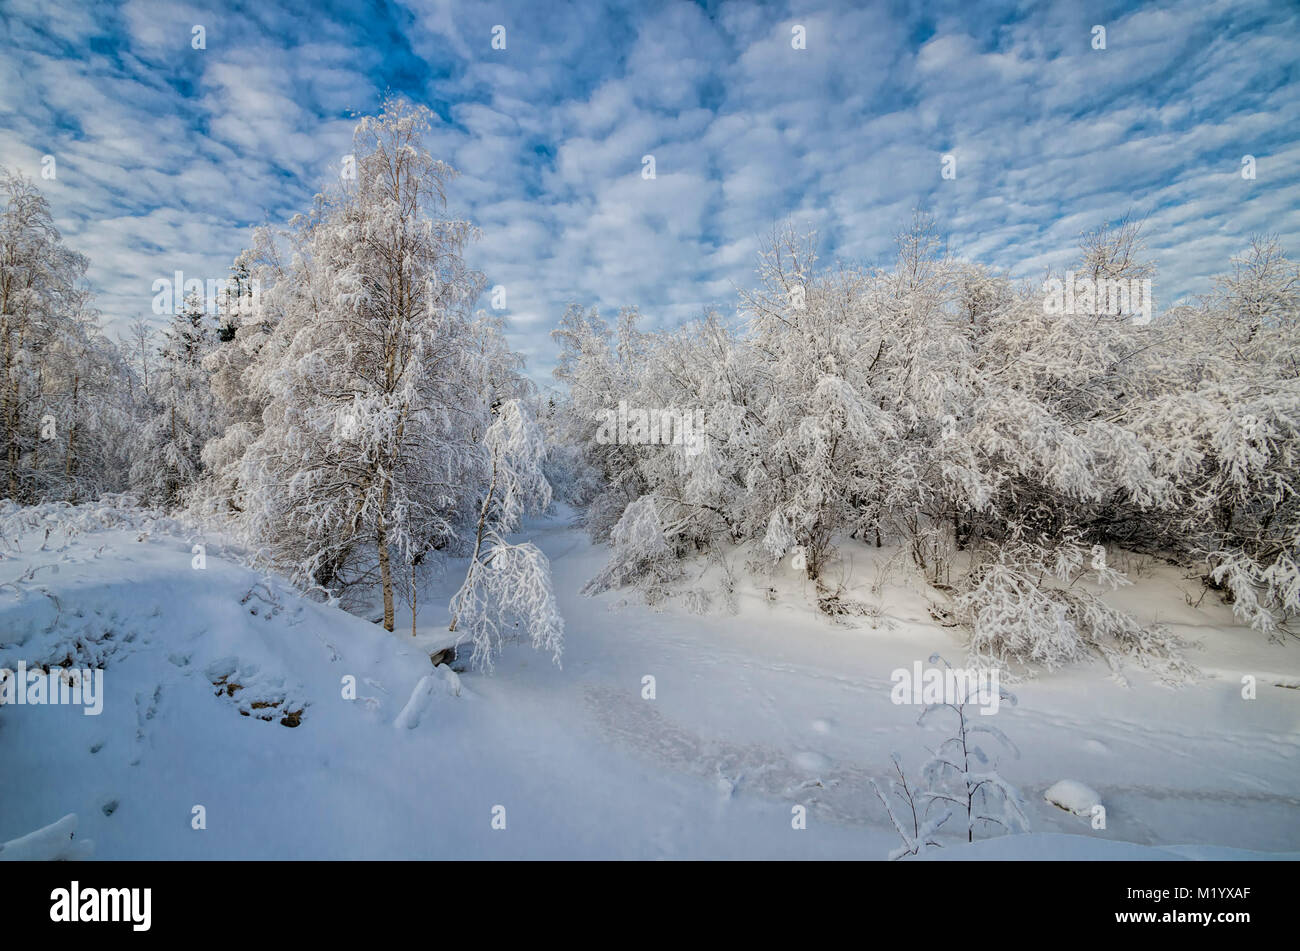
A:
(166, 155)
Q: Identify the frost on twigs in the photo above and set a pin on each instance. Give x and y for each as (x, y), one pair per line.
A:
(507, 592)
(908, 816)
(638, 551)
(507, 596)
(960, 777)
(1026, 605)
(959, 780)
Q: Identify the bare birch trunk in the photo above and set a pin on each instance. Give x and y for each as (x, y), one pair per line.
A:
(385, 571)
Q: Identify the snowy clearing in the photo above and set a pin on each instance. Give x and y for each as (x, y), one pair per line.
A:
(752, 715)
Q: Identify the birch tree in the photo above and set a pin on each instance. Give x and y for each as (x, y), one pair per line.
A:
(370, 434)
(60, 419)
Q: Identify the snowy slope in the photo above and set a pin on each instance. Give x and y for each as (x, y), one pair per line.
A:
(752, 715)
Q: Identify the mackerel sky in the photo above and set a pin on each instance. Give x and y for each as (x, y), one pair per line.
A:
(167, 155)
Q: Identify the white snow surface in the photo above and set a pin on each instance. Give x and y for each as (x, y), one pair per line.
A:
(752, 715)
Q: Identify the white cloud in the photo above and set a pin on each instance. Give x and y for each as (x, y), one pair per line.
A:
(166, 153)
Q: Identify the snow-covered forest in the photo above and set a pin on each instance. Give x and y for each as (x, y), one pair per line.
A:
(747, 585)
(343, 411)
(936, 405)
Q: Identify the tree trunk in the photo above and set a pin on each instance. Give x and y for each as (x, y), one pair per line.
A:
(385, 571)
(72, 442)
(173, 484)
(11, 413)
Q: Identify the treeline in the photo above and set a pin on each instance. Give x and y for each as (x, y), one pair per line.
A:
(1009, 436)
(70, 401)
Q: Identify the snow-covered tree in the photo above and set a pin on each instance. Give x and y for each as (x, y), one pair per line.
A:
(168, 451)
(379, 381)
(991, 429)
(62, 420)
(250, 310)
(507, 591)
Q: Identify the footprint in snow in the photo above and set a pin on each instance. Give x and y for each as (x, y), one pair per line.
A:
(811, 762)
(727, 784)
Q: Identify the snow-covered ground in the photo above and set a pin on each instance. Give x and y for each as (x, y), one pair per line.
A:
(752, 715)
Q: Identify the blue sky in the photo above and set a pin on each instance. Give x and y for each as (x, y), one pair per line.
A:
(166, 155)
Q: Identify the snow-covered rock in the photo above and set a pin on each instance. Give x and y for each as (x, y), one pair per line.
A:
(1073, 796)
(442, 682)
(55, 842)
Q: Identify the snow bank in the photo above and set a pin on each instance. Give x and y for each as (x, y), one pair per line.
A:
(1049, 846)
(56, 842)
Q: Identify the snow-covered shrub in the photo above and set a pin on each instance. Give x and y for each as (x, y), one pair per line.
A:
(959, 780)
(962, 780)
(698, 600)
(945, 408)
(120, 511)
(1234, 453)
(507, 597)
(918, 832)
(638, 552)
(507, 591)
(1029, 604)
